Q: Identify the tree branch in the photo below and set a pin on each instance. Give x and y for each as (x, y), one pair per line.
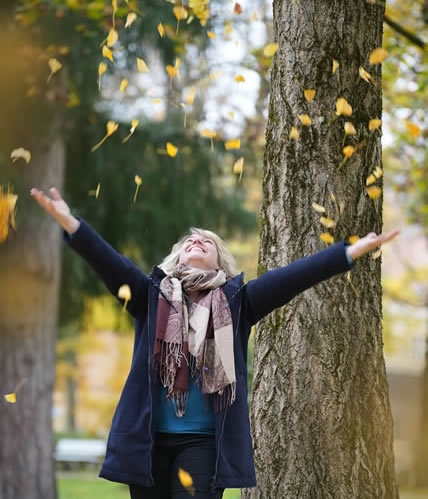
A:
(399, 29)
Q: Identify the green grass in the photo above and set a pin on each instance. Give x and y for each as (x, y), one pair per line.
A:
(88, 486)
(409, 493)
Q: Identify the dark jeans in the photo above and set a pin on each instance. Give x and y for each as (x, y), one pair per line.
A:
(193, 453)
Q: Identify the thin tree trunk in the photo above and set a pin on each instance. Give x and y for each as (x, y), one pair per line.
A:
(422, 446)
(321, 417)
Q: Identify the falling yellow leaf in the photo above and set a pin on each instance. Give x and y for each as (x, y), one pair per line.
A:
(349, 128)
(95, 192)
(318, 208)
(190, 96)
(374, 124)
(211, 34)
(305, 119)
(173, 70)
(180, 12)
(130, 18)
(209, 134)
(348, 151)
(371, 179)
(353, 239)
(138, 181)
(124, 293)
(171, 149)
(270, 49)
(107, 53)
(161, 30)
(7, 213)
(231, 114)
(294, 133)
(413, 129)
(134, 125)
(20, 153)
(156, 101)
(227, 29)
(114, 5)
(102, 68)
(327, 222)
(239, 78)
(309, 94)
(237, 9)
(233, 144)
(112, 38)
(335, 66)
(54, 66)
(238, 165)
(365, 75)
(11, 397)
(186, 481)
(123, 84)
(111, 128)
(327, 238)
(378, 172)
(378, 55)
(142, 66)
(376, 254)
(72, 100)
(374, 191)
(343, 107)
(215, 75)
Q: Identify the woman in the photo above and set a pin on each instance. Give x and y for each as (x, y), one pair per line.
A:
(184, 403)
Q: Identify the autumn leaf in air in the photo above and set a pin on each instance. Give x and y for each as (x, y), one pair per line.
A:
(376, 254)
(186, 481)
(7, 213)
(365, 75)
(305, 119)
(171, 149)
(348, 151)
(190, 96)
(112, 37)
(10, 397)
(54, 66)
(107, 53)
(130, 18)
(349, 128)
(142, 66)
(232, 144)
(413, 129)
(327, 222)
(102, 68)
(124, 293)
(210, 34)
(239, 78)
(209, 134)
(238, 167)
(378, 172)
(123, 84)
(378, 55)
(343, 107)
(138, 181)
(309, 94)
(270, 49)
(20, 153)
(134, 125)
(95, 192)
(374, 192)
(180, 13)
(318, 208)
(335, 66)
(173, 70)
(111, 128)
(371, 179)
(161, 30)
(353, 239)
(327, 238)
(374, 124)
(294, 133)
(237, 9)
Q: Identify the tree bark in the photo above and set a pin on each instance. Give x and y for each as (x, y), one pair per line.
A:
(29, 265)
(321, 418)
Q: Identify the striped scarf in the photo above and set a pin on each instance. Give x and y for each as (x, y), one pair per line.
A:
(195, 338)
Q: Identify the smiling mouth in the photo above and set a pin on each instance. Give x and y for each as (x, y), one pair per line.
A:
(196, 247)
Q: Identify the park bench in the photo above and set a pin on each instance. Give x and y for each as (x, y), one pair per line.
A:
(79, 452)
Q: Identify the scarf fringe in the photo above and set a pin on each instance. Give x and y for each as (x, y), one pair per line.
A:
(169, 358)
(224, 398)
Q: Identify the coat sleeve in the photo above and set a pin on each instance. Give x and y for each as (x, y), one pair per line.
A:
(277, 287)
(113, 268)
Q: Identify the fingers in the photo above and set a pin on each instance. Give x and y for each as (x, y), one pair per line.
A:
(42, 199)
(55, 194)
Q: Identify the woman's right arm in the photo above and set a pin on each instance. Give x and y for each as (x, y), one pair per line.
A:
(113, 268)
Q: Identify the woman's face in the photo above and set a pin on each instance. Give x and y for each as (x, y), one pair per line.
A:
(200, 252)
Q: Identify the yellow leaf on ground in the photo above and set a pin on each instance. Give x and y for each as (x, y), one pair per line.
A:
(378, 55)
(270, 49)
(171, 149)
(233, 144)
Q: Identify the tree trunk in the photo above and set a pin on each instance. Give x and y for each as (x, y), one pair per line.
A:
(321, 417)
(29, 265)
(422, 446)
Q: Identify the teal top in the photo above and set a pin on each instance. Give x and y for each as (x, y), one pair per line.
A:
(198, 418)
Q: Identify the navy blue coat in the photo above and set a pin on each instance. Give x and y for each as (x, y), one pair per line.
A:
(130, 442)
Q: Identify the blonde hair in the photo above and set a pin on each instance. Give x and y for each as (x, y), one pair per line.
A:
(225, 258)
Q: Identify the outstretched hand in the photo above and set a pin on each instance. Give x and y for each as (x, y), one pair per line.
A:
(370, 242)
(56, 207)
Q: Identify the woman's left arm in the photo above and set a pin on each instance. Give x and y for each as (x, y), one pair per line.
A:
(277, 287)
